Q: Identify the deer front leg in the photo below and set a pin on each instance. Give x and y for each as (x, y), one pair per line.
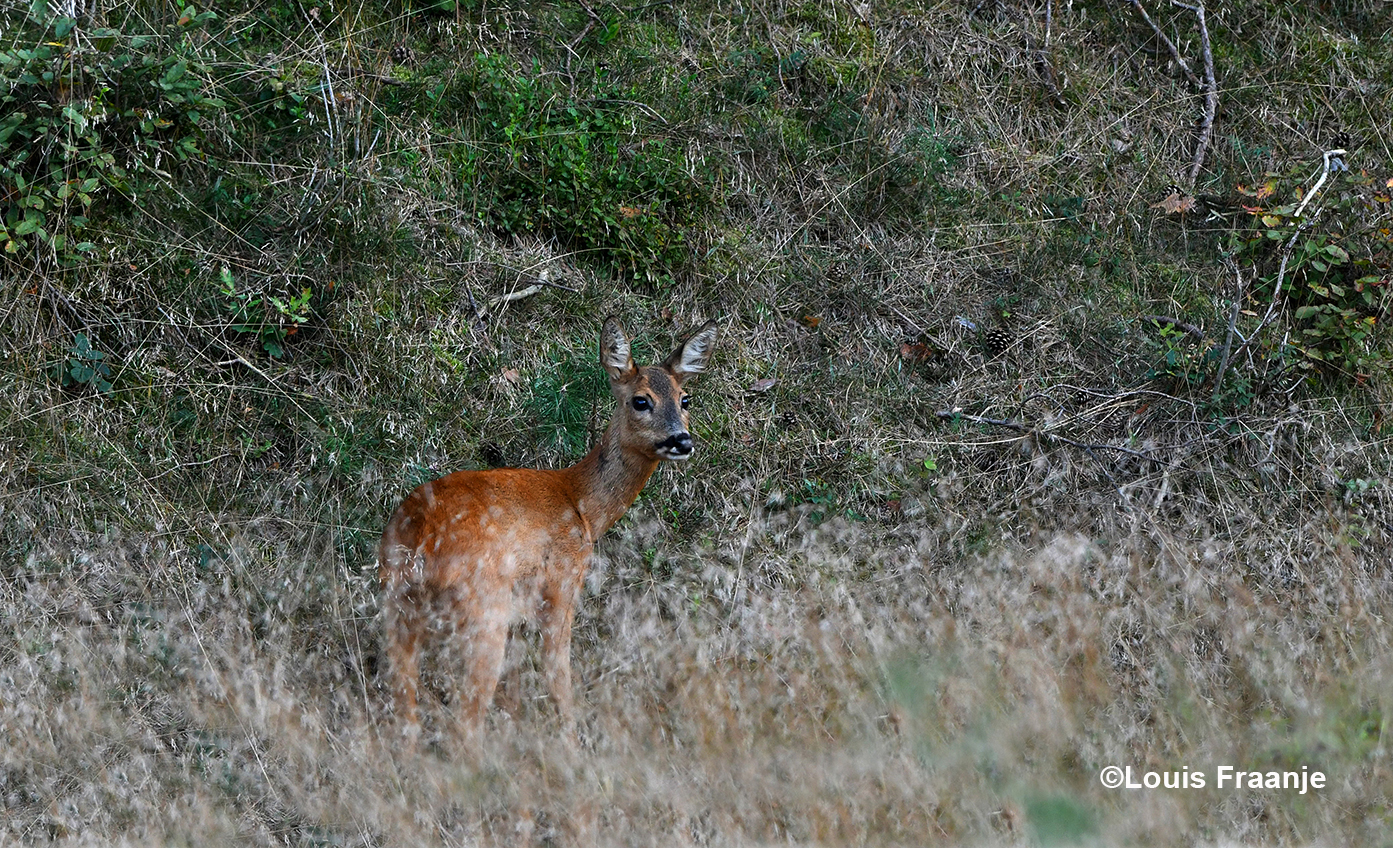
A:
(558, 613)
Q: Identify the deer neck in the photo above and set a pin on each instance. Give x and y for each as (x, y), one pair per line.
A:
(608, 479)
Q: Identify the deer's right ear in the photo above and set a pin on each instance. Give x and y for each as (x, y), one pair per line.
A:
(614, 352)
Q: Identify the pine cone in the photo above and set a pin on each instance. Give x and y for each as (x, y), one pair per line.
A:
(997, 339)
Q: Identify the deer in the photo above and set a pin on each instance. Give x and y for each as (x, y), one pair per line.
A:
(479, 550)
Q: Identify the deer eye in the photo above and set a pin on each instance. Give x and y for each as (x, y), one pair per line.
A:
(641, 403)
(686, 401)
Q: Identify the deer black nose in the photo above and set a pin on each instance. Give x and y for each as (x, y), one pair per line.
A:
(680, 445)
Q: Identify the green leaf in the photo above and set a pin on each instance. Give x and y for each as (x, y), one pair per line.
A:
(1337, 253)
(76, 118)
(10, 124)
(105, 38)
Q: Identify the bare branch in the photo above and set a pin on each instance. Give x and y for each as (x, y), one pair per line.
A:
(1170, 45)
(1211, 93)
(1049, 78)
(1331, 162)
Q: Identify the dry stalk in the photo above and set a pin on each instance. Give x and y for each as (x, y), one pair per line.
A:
(1320, 183)
(1026, 429)
(1049, 78)
(1277, 293)
(1228, 337)
(1167, 321)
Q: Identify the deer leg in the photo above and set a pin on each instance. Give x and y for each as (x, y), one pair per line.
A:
(403, 628)
(558, 613)
(508, 696)
(485, 646)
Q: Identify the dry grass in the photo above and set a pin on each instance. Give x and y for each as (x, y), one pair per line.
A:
(829, 684)
(847, 621)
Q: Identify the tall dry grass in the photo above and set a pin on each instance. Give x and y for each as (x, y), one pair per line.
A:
(824, 683)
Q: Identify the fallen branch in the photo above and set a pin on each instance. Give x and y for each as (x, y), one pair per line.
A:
(1028, 430)
(1167, 321)
(1170, 45)
(1277, 293)
(518, 295)
(529, 291)
(1211, 93)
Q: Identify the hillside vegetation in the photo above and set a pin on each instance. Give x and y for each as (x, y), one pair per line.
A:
(1034, 443)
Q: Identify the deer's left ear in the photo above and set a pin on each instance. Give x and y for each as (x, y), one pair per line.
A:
(691, 356)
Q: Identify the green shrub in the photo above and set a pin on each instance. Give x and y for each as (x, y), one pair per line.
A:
(564, 398)
(266, 318)
(84, 366)
(90, 115)
(1333, 275)
(584, 168)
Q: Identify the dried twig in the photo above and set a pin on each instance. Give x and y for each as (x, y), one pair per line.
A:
(1028, 430)
(1228, 338)
(1277, 292)
(574, 43)
(1211, 93)
(1330, 158)
(1170, 45)
(531, 290)
(1043, 66)
(1325, 170)
(518, 295)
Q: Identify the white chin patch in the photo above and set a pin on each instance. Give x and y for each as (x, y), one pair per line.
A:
(670, 454)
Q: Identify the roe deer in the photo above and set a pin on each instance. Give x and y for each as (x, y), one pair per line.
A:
(479, 549)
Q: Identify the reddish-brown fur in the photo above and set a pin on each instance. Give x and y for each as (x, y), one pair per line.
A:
(477, 550)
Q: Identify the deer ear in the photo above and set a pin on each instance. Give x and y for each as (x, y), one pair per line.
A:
(614, 352)
(691, 356)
